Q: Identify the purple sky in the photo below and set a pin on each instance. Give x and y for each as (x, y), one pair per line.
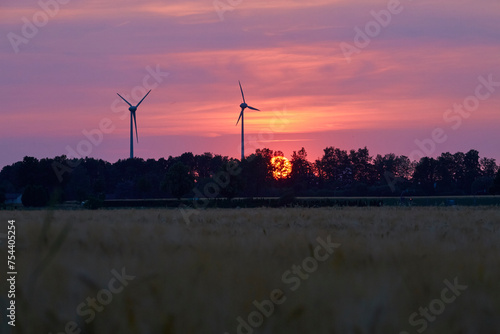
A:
(391, 92)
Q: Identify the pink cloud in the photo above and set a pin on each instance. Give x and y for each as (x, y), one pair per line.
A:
(286, 53)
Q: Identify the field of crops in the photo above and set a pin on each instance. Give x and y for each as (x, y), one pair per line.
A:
(284, 270)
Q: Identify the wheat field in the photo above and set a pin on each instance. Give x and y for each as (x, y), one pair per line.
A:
(207, 275)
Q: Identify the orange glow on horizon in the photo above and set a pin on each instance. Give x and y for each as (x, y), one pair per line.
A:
(282, 168)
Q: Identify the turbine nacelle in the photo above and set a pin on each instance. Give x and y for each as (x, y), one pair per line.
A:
(132, 109)
(244, 105)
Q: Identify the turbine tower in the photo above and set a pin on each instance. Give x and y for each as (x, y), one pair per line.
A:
(132, 110)
(243, 106)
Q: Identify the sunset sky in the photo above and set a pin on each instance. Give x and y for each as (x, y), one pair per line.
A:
(395, 91)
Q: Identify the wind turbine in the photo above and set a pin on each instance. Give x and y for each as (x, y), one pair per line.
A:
(132, 110)
(243, 106)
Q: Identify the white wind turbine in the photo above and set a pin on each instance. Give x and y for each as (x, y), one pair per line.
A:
(243, 106)
(132, 110)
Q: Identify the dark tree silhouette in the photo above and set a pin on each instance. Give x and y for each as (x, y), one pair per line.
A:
(424, 175)
(178, 180)
(302, 177)
(2, 196)
(256, 173)
(445, 174)
(495, 188)
(230, 184)
(459, 170)
(488, 167)
(336, 173)
(472, 169)
(333, 165)
(361, 162)
(35, 196)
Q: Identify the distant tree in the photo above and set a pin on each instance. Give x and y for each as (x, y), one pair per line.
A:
(459, 169)
(2, 195)
(125, 190)
(7, 179)
(488, 167)
(335, 165)
(202, 165)
(143, 185)
(361, 162)
(35, 196)
(495, 188)
(230, 187)
(397, 167)
(481, 185)
(299, 162)
(391, 174)
(27, 173)
(188, 160)
(445, 174)
(472, 169)
(424, 175)
(266, 153)
(320, 172)
(404, 167)
(127, 169)
(302, 171)
(445, 168)
(256, 172)
(278, 153)
(78, 186)
(178, 180)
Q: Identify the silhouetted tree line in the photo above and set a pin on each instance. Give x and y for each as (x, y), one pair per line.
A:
(337, 173)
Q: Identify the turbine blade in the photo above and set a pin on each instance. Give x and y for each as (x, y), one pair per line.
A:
(242, 95)
(135, 122)
(252, 108)
(124, 99)
(241, 115)
(143, 98)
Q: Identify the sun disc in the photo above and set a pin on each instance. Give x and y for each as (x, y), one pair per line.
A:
(281, 167)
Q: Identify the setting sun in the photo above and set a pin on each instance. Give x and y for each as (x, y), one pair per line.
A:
(281, 167)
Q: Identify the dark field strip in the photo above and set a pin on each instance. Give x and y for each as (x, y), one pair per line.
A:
(308, 202)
